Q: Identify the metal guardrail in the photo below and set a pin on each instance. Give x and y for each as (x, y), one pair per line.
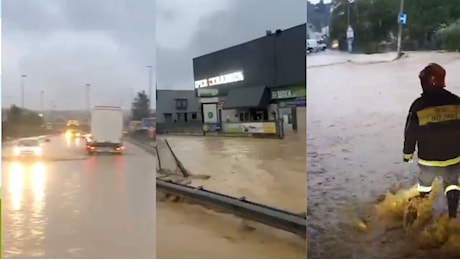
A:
(287, 221)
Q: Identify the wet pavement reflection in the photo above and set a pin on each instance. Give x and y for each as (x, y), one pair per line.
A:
(100, 207)
(356, 116)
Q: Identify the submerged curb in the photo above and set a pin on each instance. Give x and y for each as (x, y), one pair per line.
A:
(151, 149)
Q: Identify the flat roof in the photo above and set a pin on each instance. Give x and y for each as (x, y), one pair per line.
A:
(253, 40)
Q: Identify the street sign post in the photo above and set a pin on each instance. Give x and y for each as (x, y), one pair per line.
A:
(402, 18)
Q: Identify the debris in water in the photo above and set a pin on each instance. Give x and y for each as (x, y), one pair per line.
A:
(361, 226)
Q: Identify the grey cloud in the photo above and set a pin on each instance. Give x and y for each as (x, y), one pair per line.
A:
(31, 16)
(63, 44)
(240, 22)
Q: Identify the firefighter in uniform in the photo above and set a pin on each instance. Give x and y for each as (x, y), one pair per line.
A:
(433, 125)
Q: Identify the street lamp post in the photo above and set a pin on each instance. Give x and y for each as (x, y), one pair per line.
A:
(22, 90)
(150, 85)
(88, 104)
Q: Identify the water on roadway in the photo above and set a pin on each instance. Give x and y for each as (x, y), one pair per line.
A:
(356, 116)
(96, 207)
(265, 171)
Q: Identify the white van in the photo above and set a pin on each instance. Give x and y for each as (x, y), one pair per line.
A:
(312, 45)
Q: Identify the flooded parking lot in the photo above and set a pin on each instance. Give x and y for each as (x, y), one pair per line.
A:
(355, 129)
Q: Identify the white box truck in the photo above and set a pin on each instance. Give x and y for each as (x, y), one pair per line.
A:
(106, 130)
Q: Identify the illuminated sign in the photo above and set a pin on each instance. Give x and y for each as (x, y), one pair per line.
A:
(220, 80)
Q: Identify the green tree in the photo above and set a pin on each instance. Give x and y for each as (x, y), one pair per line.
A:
(140, 107)
(451, 36)
(375, 21)
(22, 123)
(14, 114)
(372, 22)
(425, 17)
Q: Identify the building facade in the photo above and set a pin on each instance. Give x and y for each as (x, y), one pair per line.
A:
(177, 111)
(255, 87)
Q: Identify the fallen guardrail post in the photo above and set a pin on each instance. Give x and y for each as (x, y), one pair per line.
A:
(280, 219)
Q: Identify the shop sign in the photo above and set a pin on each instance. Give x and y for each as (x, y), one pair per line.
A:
(206, 92)
(298, 102)
(220, 80)
(250, 127)
(211, 127)
(209, 100)
(293, 92)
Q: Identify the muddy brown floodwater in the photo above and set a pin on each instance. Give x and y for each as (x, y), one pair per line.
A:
(356, 116)
(263, 170)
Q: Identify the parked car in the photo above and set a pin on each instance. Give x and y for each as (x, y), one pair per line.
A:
(322, 45)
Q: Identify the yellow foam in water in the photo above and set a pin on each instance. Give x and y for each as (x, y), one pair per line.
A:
(429, 232)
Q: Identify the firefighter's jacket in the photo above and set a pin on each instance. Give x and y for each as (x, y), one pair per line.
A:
(433, 125)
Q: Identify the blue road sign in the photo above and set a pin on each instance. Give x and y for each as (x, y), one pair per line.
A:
(402, 18)
(147, 122)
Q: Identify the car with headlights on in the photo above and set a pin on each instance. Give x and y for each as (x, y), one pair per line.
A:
(28, 148)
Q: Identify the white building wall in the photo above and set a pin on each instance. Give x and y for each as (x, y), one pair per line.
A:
(231, 114)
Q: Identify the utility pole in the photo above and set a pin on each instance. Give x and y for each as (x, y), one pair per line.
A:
(88, 104)
(51, 110)
(401, 10)
(22, 90)
(150, 85)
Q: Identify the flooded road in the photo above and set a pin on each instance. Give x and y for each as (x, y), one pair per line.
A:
(77, 207)
(331, 57)
(263, 170)
(355, 129)
(267, 171)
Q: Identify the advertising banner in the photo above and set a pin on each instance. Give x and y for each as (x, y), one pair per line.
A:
(298, 102)
(148, 122)
(211, 127)
(205, 92)
(291, 92)
(250, 127)
(210, 114)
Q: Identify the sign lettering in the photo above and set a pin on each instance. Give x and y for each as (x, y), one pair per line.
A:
(220, 80)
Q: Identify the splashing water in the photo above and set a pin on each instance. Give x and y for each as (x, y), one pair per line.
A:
(431, 235)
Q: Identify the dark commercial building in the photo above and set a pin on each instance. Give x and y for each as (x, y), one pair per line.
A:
(177, 111)
(257, 86)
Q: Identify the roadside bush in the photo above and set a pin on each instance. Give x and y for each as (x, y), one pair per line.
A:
(450, 37)
(22, 123)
